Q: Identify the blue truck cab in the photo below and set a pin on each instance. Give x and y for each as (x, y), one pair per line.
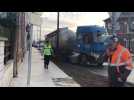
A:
(90, 43)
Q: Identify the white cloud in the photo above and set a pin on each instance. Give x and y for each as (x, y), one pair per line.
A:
(93, 18)
(74, 19)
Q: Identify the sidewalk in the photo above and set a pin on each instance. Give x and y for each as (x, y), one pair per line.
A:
(54, 77)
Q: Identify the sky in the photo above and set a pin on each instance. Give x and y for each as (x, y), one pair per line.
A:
(70, 20)
(73, 19)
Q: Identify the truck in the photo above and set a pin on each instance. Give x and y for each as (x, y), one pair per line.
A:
(86, 46)
(90, 45)
(66, 41)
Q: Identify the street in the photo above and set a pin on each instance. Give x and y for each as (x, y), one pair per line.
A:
(85, 76)
(73, 40)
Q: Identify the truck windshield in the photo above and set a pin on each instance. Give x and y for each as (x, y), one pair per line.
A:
(87, 38)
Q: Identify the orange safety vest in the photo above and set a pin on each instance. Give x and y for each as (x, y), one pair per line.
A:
(121, 56)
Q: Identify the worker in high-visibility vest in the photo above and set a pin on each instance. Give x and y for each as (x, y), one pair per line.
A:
(120, 63)
(48, 52)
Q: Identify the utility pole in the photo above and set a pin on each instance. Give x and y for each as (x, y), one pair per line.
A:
(30, 31)
(57, 30)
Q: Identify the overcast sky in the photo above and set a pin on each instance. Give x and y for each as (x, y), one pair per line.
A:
(73, 19)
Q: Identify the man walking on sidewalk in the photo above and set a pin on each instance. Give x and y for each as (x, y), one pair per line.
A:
(48, 52)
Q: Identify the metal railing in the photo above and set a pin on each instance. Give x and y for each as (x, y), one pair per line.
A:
(7, 52)
(129, 44)
(128, 41)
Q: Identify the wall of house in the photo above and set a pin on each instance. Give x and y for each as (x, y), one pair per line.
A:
(21, 49)
(6, 71)
(1, 59)
(125, 24)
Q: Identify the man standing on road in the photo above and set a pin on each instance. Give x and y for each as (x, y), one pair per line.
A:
(48, 52)
(120, 63)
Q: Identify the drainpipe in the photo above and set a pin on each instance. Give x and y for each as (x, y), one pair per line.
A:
(16, 45)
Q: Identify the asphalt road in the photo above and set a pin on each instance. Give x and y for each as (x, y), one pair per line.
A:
(83, 75)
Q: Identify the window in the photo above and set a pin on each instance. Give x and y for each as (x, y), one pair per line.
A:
(8, 54)
(88, 38)
(132, 26)
(3, 14)
(7, 30)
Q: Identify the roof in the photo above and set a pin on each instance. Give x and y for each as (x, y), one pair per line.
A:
(88, 29)
(108, 19)
(54, 32)
(123, 15)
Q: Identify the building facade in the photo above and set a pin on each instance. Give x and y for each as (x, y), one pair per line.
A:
(13, 28)
(125, 23)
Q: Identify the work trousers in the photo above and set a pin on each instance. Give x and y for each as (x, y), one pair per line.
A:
(113, 76)
(47, 59)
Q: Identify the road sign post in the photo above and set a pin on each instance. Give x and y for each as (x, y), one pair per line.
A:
(29, 30)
